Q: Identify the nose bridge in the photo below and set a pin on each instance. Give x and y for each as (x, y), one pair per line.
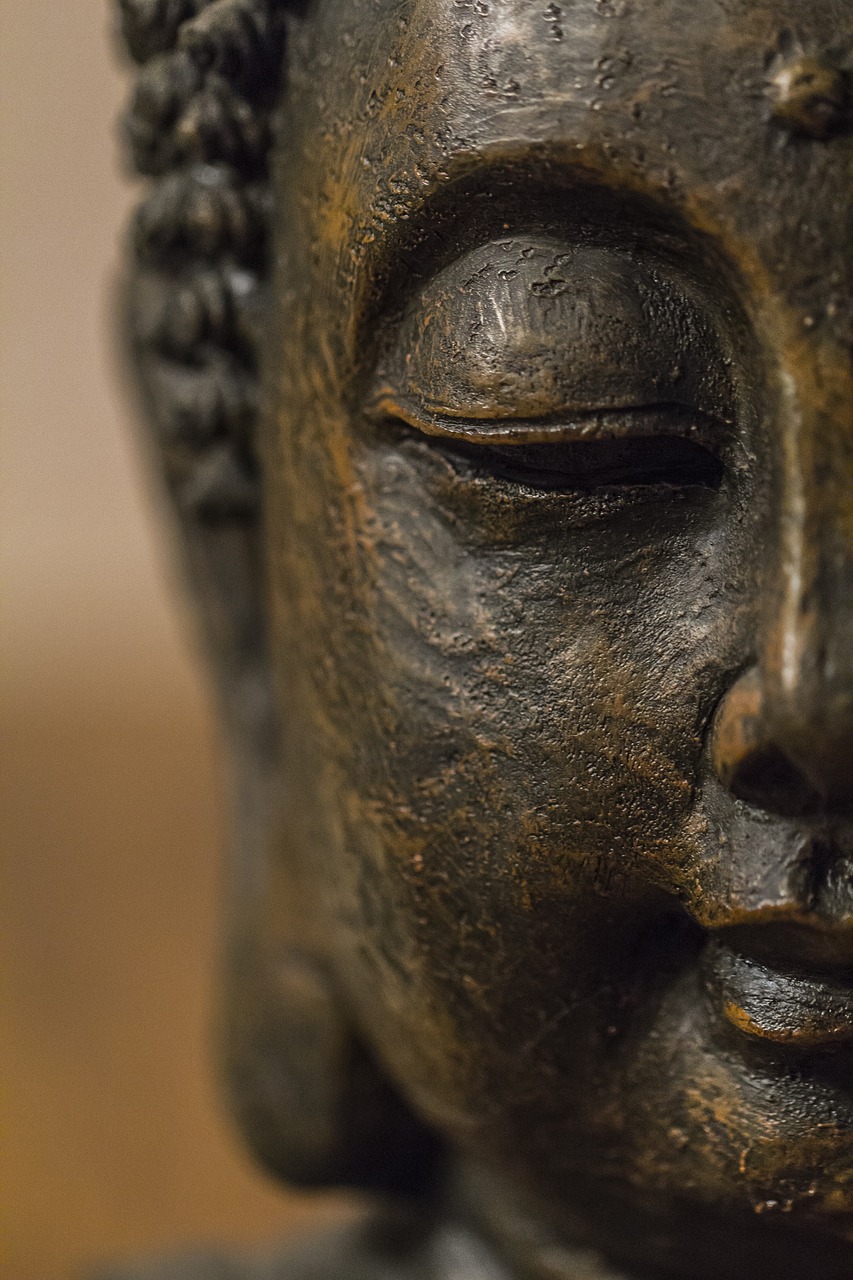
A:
(807, 658)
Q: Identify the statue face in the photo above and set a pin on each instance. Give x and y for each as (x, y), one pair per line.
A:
(559, 464)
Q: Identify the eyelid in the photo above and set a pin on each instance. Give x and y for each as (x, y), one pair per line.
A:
(628, 421)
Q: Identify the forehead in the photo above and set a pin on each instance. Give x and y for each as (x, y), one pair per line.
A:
(398, 108)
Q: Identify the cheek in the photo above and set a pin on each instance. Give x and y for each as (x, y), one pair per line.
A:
(524, 765)
(505, 706)
(547, 690)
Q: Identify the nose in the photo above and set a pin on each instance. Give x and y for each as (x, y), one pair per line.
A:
(783, 735)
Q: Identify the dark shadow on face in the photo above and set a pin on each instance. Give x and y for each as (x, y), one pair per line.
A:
(559, 479)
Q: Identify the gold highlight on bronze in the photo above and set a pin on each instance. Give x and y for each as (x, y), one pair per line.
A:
(810, 98)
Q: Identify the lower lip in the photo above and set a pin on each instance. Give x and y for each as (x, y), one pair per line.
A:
(793, 1009)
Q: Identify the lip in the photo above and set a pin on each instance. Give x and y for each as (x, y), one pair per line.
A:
(786, 1006)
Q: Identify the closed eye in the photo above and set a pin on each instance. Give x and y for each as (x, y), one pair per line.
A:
(594, 464)
(661, 446)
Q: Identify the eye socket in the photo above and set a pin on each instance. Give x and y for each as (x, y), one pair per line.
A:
(563, 367)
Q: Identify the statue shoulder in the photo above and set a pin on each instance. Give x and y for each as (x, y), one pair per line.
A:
(387, 1245)
(364, 1251)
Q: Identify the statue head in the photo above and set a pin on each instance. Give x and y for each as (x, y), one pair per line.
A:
(498, 356)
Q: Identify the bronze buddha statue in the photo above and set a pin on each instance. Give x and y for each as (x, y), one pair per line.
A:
(497, 353)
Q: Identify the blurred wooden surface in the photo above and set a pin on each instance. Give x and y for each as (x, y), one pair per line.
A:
(114, 1141)
(113, 1138)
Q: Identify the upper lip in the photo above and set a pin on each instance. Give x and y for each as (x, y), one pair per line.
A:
(787, 983)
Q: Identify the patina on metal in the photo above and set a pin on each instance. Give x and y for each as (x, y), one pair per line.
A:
(497, 355)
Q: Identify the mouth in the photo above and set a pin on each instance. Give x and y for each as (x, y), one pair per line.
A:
(787, 985)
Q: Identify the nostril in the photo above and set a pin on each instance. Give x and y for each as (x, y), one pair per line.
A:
(767, 778)
(749, 762)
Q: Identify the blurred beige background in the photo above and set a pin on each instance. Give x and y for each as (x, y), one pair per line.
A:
(113, 1140)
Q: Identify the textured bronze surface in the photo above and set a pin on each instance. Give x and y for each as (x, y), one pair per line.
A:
(499, 356)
